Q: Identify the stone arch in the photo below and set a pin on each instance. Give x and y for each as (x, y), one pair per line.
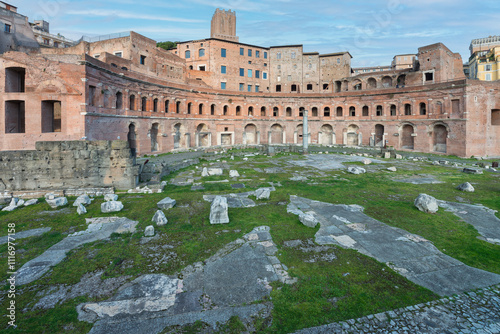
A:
(379, 139)
(326, 135)
(401, 81)
(154, 137)
(299, 134)
(352, 135)
(357, 85)
(250, 136)
(440, 133)
(203, 135)
(51, 86)
(386, 81)
(276, 134)
(371, 83)
(131, 138)
(179, 136)
(407, 136)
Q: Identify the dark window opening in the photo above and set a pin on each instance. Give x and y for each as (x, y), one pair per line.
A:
(393, 110)
(379, 111)
(51, 116)
(325, 86)
(495, 117)
(200, 109)
(275, 112)
(326, 112)
(202, 68)
(423, 109)
(131, 102)
(177, 107)
(294, 88)
(14, 117)
(309, 87)
(144, 103)
(15, 80)
(278, 88)
(429, 76)
(119, 100)
(92, 95)
(143, 60)
(190, 105)
(352, 111)
(212, 109)
(263, 111)
(288, 112)
(365, 111)
(225, 110)
(250, 111)
(301, 111)
(314, 112)
(407, 109)
(155, 105)
(238, 111)
(339, 111)
(167, 104)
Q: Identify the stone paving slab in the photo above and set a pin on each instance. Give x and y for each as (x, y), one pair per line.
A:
(239, 200)
(474, 312)
(482, 218)
(411, 255)
(26, 234)
(330, 161)
(213, 291)
(98, 229)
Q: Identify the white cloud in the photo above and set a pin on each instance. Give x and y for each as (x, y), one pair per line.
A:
(129, 15)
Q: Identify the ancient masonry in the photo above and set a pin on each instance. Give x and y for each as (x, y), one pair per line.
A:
(69, 165)
(205, 93)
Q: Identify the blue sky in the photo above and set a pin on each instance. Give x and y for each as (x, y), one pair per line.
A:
(373, 31)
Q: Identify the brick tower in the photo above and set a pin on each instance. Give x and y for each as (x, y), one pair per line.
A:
(224, 25)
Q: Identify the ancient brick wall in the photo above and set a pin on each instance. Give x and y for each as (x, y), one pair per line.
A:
(69, 165)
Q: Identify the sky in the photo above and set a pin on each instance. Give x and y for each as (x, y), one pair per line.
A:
(373, 31)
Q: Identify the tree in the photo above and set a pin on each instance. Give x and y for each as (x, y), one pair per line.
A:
(168, 45)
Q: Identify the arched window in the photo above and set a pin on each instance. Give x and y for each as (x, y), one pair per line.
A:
(187, 54)
(190, 106)
(352, 111)
(167, 103)
(226, 108)
(178, 107)
(238, 111)
(326, 112)
(212, 109)
(366, 111)
(339, 111)
(201, 52)
(119, 100)
(144, 103)
(407, 109)
(423, 109)
(275, 112)
(155, 105)
(314, 112)
(131, 104)
(288, 112)
(250, 111)
(200, 109)
(263, 111)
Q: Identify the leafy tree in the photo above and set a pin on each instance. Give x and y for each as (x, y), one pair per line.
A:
(168, 45)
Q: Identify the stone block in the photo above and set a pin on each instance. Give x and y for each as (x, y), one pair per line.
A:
(166, 203)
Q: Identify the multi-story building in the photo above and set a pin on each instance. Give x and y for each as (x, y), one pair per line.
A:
(484, 62)
(43, 36)
(361, 70)
(403, 62)
(124, 87)
(15, 31)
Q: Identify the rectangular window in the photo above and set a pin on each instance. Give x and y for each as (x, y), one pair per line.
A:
(278, 55)
(7, 28)
(265, 55)
(223, 69)
(242, 72)
(264, 75)
(249, 73)
(15, 80)
(222, 85)
(257, 54)
(257, 74)
(56, 44)
(51, 116)
(249, 88)
(14, 116)
(143, 60)
(488, 77)
(242, 87)
(46, 41)
(256, 89)
(249, 52)
(242, 52)
(223, 53)
(487, 67)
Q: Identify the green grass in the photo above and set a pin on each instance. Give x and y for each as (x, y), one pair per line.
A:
(350, 286)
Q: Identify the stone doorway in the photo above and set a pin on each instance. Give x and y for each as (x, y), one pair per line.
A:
(407, 139)
(440, 135)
